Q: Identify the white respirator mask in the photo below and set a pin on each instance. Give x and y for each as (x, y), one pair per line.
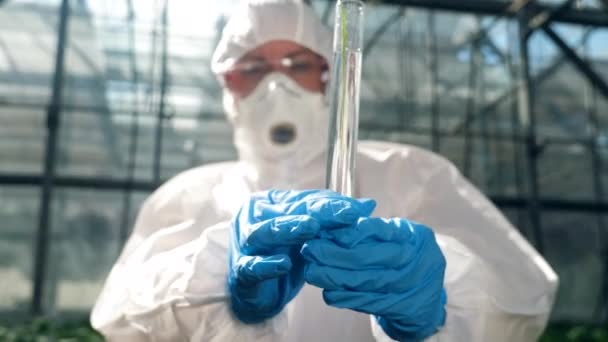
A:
(280, 126)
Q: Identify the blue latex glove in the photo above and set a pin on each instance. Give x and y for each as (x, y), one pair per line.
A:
(266, 268)
(390, 268)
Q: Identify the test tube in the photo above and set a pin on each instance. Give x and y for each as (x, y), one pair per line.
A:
(344, 96)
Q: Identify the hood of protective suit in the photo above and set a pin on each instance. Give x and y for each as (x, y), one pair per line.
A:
(280, 129)
(257, 22)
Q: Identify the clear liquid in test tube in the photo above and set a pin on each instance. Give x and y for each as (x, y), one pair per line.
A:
(344, 96)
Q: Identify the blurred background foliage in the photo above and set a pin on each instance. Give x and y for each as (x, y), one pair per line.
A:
(40, 330)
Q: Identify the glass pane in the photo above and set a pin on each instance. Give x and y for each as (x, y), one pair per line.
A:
(520, 218)
(18, 225)
(84, 245)
(27, 49)
(191, 141)
(485, 77)
(87, 145)
(562, 103)
(453, 149)
(560, 167)
(496, 166)
(598, 56)
(580, 4)
(100, 144)
(22, 138)
(114, 89)
(573, 248)
(594, 50)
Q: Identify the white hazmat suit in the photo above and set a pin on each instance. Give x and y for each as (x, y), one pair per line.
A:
(169, 283)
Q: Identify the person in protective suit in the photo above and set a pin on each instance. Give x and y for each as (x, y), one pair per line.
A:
(217, 255)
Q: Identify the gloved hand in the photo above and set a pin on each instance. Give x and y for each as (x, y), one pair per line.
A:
(390, 268)
(266, 268)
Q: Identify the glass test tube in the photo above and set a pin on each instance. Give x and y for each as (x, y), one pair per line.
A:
(344, 96)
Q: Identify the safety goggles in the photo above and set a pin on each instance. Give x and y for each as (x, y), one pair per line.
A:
(306, 69)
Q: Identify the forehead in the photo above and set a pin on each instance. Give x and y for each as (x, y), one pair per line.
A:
(277, 49)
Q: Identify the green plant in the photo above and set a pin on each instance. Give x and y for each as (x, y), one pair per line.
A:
(575, 333)
(43, 330)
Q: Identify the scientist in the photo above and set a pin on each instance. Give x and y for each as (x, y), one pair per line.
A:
(216, 255)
